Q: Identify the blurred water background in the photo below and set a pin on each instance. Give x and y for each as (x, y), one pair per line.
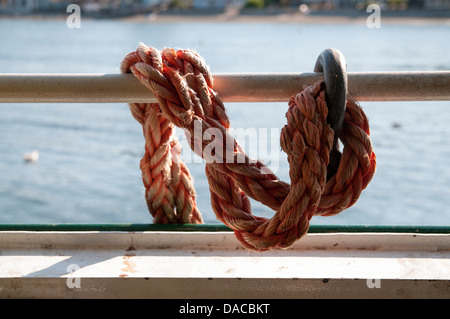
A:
(88, 169)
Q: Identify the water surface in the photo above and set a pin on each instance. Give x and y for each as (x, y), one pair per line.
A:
(88, 171)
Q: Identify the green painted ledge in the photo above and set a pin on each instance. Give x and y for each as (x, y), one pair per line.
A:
(221, 228)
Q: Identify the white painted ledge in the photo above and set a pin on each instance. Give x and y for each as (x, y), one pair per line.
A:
(214, 265)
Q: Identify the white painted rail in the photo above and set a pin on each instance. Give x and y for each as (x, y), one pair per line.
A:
(205, 265)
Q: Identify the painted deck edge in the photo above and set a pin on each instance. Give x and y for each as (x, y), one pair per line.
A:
(214, 265)
(214, 240)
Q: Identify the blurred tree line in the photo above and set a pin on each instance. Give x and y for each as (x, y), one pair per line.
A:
(316, 4)
(333, 4)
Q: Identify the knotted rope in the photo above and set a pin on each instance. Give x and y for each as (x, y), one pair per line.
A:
(183, 86)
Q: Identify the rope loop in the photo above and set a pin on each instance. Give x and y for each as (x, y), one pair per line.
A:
(183, 86)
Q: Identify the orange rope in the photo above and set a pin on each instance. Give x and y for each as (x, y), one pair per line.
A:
(183, 85)
(169, 190)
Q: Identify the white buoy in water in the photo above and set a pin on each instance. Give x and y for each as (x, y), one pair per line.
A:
(32, 157)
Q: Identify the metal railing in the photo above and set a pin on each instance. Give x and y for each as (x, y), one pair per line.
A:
(125, 88)
(221, 228)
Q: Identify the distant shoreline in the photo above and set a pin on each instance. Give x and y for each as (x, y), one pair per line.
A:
(288, 17)
(416, 17)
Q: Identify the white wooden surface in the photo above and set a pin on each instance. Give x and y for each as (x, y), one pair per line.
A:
(214, 265)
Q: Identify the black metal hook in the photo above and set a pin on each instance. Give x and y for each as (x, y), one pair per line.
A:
(331, 63)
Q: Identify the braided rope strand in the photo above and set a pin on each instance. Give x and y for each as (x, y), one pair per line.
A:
(169, 189)
(183, 86)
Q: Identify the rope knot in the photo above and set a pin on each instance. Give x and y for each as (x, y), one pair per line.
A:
(183, 86)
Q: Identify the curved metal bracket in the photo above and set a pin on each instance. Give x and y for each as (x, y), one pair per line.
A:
(331, 63)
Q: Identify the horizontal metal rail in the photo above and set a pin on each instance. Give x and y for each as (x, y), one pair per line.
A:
(279, 87)
(221, 228)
